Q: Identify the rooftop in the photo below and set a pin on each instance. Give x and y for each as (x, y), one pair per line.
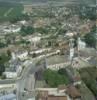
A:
(73, 92)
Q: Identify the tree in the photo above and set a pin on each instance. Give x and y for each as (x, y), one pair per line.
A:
(2, 69)
(42, 30)
(9, 53)
(4, 58)
(27, 30)
(90, 40)
(88, 77)
(3, 76)
(54, 79)
(62, 71)
(34, 55)
(2, 45)
(87, 13)
(75, 41)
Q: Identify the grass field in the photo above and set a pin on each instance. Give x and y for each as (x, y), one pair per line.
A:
(8, 12)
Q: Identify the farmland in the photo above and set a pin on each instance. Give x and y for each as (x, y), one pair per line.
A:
(8, 12)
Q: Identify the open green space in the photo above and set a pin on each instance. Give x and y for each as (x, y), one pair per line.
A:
(10, 11)
(55, 78)
(89, 76)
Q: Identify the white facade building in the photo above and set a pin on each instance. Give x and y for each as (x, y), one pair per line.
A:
(20, 54)
(12, 28)
(71, 53)
(81, 44)
(10, 74)
(58, 66)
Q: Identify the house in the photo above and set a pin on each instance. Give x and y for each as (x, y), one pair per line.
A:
(8, 97)
(15, 66)
(14, 69)
(51, 94)
(69, 34)
(31, 98)
(10, 74)
(12, 29)
(73, 92)
(23, 22)
(57, 62)
(35, 40)
(81, 44)
(51, 97)
(22, 55)
(63, 92)
(40, 51)
(27, 9)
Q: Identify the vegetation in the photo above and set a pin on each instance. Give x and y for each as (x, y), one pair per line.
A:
(42, 30)
(53, 78)
(90, 38)
(4, 58)
(2, 69)
(19, 18)
(22, 41)
(62, 72)
(9, 11)
(9, 53)
(26, 30)
(89, 76)
(86, 12)
(2, 45)
(75, 41)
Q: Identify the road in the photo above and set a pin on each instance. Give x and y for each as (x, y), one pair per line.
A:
(8, 81)
(30, 69)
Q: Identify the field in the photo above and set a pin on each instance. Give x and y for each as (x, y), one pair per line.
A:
(89, 76)
(7, 12)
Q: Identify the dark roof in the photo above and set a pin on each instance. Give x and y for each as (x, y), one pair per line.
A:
(73, 92)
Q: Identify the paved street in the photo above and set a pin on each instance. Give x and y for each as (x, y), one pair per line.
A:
(8, 81)
(30, 69)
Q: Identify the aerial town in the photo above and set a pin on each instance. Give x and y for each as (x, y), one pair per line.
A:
(48, 50)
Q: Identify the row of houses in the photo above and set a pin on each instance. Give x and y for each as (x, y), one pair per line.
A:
(19, 60)
(63, 92)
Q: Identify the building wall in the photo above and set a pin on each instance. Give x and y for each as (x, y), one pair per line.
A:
(58, 66)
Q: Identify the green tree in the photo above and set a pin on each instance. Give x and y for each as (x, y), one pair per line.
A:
(90, 40)
(2, 45)
(4, 58)
(27, 30)
(9, 53)
(62, 71)
(2, 69)
(53, 78)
